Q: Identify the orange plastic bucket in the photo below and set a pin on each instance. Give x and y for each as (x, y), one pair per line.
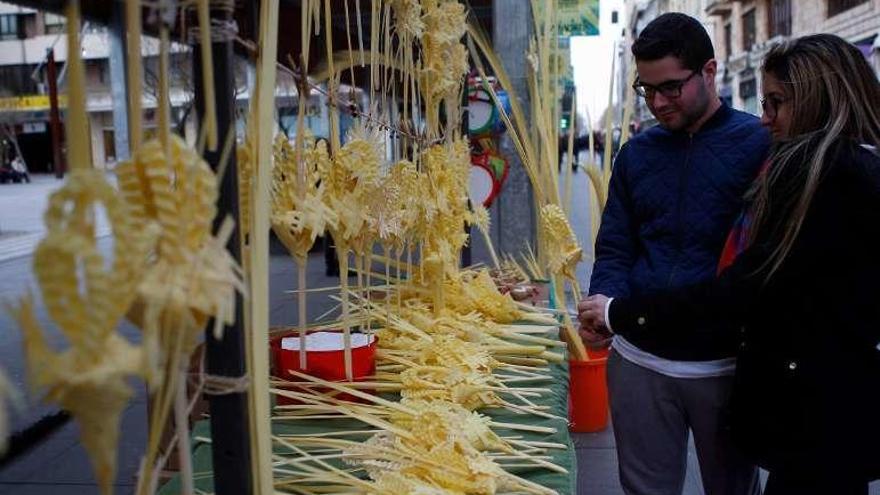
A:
(588, 393)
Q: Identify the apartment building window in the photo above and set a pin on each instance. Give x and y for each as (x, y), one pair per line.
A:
(748, 93)
(16, 80)
(780, 18)
(97, 71)
(728, 40)
(837, 6)
(54, 23)
(749, 31)
(9, 27)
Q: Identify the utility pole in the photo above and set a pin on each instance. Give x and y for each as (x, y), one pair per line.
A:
(54, 117)
(513, 213)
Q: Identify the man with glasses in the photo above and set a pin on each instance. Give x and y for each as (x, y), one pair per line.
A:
(676, 190)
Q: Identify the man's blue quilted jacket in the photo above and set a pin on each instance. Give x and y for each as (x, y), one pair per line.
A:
(673, 199)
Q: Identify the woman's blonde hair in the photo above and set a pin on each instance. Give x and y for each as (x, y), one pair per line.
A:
(834, 97)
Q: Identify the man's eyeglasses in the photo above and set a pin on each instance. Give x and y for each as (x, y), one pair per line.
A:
(770, 105)
(669, 89)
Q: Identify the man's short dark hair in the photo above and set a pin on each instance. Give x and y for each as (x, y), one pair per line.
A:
(678, 35)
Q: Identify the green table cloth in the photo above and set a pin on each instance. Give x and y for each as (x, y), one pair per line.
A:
(557, 400)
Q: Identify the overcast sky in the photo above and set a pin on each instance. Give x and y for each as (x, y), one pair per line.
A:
(591, 59)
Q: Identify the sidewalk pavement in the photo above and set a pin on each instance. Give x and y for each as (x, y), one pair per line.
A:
(21, 215)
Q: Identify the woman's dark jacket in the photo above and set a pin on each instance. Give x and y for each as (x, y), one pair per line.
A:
(807, 386)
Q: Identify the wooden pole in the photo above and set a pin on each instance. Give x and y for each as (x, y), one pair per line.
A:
(230, 427)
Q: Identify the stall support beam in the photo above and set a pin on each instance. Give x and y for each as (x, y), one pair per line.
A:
(230, 425)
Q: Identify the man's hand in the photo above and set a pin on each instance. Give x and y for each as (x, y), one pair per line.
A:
(591, 314)
(591, 311)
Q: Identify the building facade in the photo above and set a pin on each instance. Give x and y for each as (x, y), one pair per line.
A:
(744, 30)
(749, 28)
(27, 36)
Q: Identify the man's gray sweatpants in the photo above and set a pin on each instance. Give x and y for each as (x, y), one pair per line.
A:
(652, 414)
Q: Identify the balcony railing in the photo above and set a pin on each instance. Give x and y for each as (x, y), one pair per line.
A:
(718, 7)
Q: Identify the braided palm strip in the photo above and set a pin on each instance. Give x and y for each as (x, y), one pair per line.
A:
(192, 269)
(70, 247)
(86, 298)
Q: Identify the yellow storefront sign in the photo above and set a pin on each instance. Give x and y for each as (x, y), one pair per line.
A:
(30, 103)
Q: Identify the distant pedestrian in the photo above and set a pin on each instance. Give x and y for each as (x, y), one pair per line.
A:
(19, 167)
(331, 259)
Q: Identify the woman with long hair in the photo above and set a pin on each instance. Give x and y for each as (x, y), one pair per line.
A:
(801, 281)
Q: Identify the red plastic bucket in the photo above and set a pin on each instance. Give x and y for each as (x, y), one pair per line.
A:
(588, 393)
(327, 365)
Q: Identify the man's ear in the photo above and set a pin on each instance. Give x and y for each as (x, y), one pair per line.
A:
(710, 69)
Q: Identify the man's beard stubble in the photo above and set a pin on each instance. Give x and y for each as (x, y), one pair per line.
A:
(692, 114)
